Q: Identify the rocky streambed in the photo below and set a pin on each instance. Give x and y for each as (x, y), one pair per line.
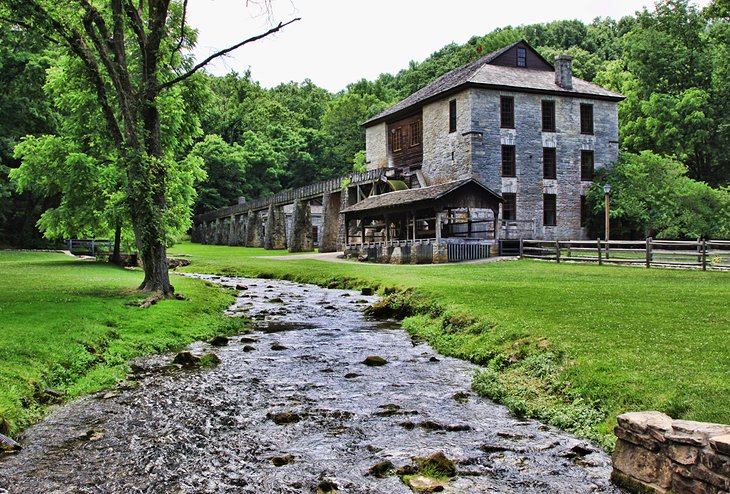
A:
(297, 407)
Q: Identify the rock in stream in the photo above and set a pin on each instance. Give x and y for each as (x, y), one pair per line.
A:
(304, 418)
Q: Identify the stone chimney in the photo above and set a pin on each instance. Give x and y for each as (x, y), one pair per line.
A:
(241, 200)
(564, 71)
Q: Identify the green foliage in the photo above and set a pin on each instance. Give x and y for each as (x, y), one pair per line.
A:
(677, 92)
(652, 196)
(225, 168)
(55, 166)
(343, 119)
(672, 63)
(24, 58)
(81, 166)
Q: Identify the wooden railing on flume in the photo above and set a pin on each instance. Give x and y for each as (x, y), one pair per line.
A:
(289, 196)
(698, 254)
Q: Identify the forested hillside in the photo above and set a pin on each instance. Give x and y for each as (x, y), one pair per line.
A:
(235, 138)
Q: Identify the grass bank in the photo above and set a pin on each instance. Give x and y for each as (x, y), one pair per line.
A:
(66, 324)
(572, 344)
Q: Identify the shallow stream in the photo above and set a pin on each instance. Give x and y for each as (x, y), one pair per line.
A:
(292, 407)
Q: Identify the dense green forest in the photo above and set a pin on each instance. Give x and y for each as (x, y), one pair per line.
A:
(230, 137)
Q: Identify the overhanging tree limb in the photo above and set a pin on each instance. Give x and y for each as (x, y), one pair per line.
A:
(220, 53)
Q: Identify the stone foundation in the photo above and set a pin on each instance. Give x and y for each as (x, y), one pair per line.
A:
(422, 253)
(655, 454)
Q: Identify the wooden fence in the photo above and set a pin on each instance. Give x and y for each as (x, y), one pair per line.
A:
(698, 254)
(467, 251)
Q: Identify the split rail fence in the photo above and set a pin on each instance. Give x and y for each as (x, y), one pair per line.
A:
(698, 254)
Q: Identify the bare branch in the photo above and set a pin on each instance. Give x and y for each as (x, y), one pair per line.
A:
(220, 53)
(137, 24)
(182, 32)
(157, 19)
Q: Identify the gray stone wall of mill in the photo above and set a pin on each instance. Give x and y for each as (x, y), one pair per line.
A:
(475, 150)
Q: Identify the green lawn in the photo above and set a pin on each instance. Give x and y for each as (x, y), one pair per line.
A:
(65, 324)
(574, 344)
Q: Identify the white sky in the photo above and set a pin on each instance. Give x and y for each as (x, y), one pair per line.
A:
(341, 41)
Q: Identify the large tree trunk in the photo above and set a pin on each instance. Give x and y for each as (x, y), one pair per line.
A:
(148, 180)
(156, 276)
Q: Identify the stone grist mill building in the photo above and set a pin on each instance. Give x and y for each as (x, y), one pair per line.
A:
(501, 149)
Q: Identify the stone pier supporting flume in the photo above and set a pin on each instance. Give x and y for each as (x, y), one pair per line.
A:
(301, 235)
(275, 238)
(330, 222)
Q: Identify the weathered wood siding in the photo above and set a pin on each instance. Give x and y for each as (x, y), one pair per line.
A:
(410, 154)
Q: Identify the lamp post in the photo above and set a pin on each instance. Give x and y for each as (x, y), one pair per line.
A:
(607, 196)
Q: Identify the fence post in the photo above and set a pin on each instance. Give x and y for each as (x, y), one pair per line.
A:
(600, 258)
(704, 254)
(93, 248)
(648, 252)
(557, 251)
(569, 251)
(521, 251)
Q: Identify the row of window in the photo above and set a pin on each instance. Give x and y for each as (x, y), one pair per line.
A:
(507, 115)
(414, 137)
(549, 208)
(549, 163)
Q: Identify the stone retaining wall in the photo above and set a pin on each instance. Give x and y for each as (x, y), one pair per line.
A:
(655, 454)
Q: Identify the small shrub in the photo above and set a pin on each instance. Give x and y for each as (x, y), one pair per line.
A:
(499, 362)
(487, 383)
(517, 406)
(456, 322)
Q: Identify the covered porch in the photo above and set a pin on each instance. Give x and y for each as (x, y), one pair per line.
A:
(449, 222)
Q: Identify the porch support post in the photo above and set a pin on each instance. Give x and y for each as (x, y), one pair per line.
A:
(386, 219)
(438, 226)
(414, 225)
(362, 230)
(468, 219)
(496, 221)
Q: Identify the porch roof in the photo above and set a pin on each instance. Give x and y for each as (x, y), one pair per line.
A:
(460, 193)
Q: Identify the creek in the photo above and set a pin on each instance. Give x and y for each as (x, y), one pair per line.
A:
(292, 408)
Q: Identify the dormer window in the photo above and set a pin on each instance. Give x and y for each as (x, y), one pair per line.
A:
(521, 57)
